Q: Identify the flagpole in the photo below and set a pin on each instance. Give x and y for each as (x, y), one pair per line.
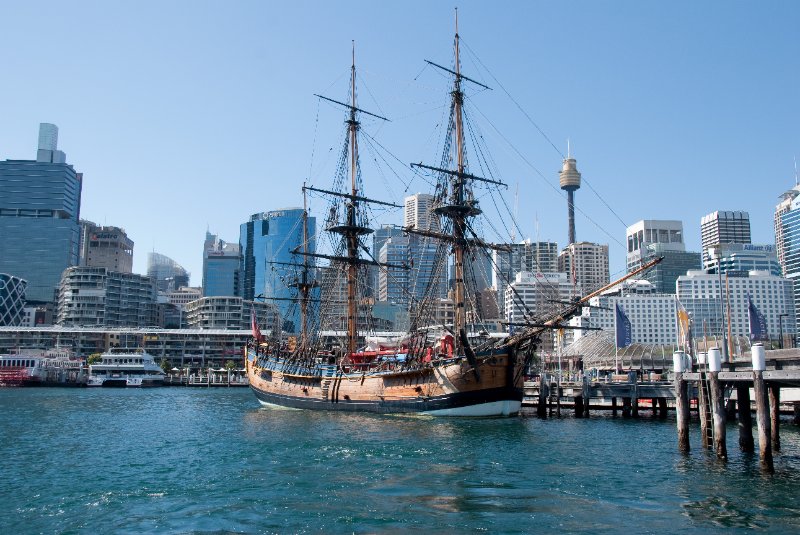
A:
(677, 324)
(616, 340)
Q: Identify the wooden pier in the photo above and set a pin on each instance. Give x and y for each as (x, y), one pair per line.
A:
(716, 391)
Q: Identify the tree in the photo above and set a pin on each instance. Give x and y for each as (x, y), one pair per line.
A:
(166, 365)
(94, 358)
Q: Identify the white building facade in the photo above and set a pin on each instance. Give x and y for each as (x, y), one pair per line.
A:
(707, 297)
(534, 293)
(652, 315)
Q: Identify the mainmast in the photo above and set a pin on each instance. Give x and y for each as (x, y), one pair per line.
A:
(459, 221)
(352, 206)
(459, 205)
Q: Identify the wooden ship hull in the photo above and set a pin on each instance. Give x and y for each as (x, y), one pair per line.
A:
(445, 387)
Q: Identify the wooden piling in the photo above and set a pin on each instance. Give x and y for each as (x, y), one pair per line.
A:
(718, 414)
(745, 420)
(586, 395)
(613, 406)
(559, 393)
(730, 409)
(762, 417)
(634, 401)
(796, 419)
(703, 410)
(541, 407)
(682, 411)
(662, 407)
(775, 415)
(626, 407)
(579, 406)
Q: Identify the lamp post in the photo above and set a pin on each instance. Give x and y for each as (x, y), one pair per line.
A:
(780, 325)
(717, 251)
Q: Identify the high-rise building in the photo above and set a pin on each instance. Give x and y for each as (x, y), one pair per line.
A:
(107, 247)
(649, 239)
(268, 266)
(12, 299)
(785, 204)
(790, 248)
(393, 282)
(586, 266)
(419, 213)
(722, 227)
(478, 270)
(166, 273)
(421, 277)
(39, 217)
(527, 256)
(90, 296)
(220, 267)
(379, 237)
(532, 294)
(47, 151)
(642, 235)
(664, 275)
(428, 272)
(744, 257)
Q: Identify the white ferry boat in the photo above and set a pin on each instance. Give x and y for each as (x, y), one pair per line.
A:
(39, 367)
(123, 367)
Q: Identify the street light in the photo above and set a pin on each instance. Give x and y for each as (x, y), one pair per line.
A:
(780, 325)
(716, 253)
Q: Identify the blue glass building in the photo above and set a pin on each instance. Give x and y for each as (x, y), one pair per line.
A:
(790, 223)
(166, 272)
(39, 218)
(220, 267)
(266, 243)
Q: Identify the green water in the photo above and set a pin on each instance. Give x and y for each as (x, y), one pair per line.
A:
(181, 460)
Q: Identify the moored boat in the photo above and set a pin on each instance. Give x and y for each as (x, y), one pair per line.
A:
(123, 367)
(40, 367)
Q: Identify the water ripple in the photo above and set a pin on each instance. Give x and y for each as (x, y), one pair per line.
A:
(211, 461)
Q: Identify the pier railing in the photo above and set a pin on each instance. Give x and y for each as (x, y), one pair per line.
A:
(207, 379)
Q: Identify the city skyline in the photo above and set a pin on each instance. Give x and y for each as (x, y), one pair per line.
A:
(673, 111)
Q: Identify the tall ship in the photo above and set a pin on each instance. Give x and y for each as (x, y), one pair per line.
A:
(123, 367)
(440, 367)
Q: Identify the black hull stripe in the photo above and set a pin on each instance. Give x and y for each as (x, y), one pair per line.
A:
(450, 401)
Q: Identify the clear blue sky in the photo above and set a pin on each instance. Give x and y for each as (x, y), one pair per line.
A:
(188, 115)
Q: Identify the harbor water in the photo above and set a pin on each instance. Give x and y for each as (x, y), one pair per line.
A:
(184, 460)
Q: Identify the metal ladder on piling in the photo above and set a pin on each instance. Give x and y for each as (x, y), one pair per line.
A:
(708, 440)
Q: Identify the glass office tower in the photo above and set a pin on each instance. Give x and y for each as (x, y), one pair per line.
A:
(39, 218)
(267, 266)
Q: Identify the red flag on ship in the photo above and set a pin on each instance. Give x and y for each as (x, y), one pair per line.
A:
(254, 325)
